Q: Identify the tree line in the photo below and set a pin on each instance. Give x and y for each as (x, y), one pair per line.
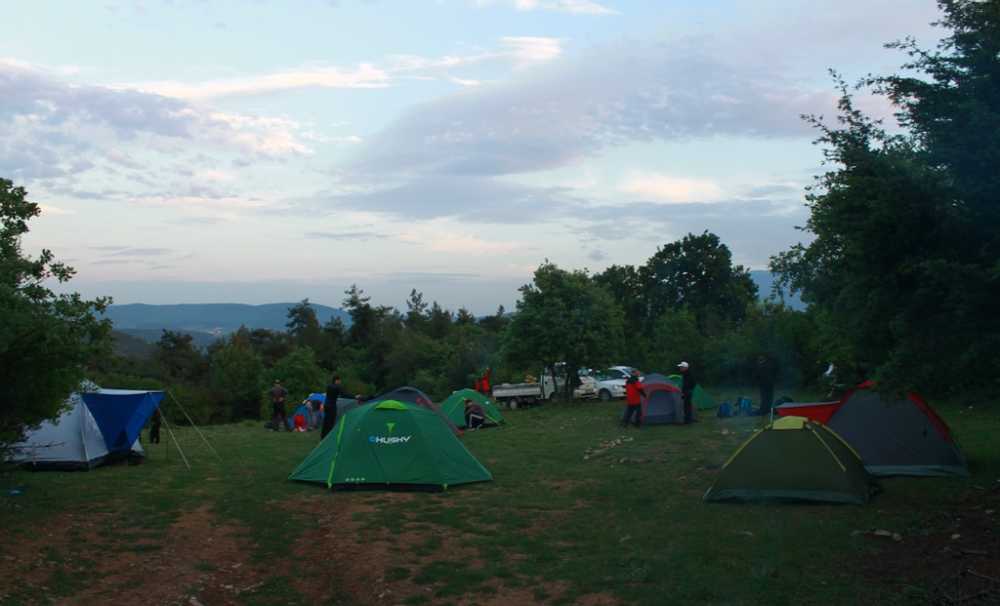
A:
(687, 302)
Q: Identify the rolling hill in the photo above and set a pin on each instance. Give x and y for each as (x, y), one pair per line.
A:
(206, 321)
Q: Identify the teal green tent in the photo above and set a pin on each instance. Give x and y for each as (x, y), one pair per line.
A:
(794, 459)
(700, 397)
(454, 407)
(391, 444)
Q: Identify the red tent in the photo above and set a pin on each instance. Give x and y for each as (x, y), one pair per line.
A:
(893, 435)
(816, 411)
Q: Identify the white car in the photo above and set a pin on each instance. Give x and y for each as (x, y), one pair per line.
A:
(611, 382)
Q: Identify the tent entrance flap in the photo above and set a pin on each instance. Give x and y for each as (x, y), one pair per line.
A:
(121, 415)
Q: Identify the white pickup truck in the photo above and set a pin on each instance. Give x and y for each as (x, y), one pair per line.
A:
(514, 395)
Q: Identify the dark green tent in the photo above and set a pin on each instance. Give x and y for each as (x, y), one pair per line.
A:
(454, 407)
(391, 444)
(793, 459)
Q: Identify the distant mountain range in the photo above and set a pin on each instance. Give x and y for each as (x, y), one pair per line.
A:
(206, 321)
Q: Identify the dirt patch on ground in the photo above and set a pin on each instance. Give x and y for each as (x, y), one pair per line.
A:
(93, 558)
(379, 565)
(953, 559)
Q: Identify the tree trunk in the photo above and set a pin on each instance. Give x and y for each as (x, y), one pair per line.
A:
(555, 383)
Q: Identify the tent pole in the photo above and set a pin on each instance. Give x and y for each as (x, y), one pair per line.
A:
(83, 418)
(174, 438)
(191, 421)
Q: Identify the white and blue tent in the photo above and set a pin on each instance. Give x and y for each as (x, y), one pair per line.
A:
(97, 426)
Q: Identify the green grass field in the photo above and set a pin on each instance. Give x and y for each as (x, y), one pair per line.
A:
(622, 526)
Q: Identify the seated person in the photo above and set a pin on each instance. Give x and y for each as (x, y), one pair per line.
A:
(475, 416)
(300, 422)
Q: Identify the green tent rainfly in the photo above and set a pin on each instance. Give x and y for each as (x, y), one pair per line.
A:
(454, 407)
(394, 445)
(700, 397)
(794, 459)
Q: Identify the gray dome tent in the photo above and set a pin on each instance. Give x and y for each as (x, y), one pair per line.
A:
(897, 436)
(96, 427)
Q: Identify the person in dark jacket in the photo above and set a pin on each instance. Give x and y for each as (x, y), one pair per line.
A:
(154, 427)
(766, 372)
(279, 418)
(475, 416)
(330, 406)
(633, 400)
(688, 383)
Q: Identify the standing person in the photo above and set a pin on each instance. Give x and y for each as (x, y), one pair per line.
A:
(688, 384)
(484, 387)
(633, 400)
(154, 427)
(330, 406)
(278, 395)
(766, 372)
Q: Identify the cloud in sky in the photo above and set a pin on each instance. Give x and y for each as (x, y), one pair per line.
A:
(57, 129)
(667, 188)
(519, 51)
(528, 50)
(141, 252)
(597, 254)
(470, 198)
(469, 245)
(362, 76)
(577, 7)
(345, 235)
(576, 108)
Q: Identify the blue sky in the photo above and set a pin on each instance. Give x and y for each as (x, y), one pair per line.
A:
(259, 151)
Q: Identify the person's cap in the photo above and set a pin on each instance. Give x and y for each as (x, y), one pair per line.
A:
(683, 365)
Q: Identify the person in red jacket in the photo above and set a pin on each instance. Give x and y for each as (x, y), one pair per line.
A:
(633, 400)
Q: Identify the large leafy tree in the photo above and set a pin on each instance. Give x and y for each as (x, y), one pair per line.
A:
(905, 265)
(303, 325)
(696, 273)
(179, 358)
(300, 373)
(623, 282)
(237, 374)
(564, 316)
(46, 339)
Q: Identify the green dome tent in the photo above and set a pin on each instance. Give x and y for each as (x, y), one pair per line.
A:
(793, 459)
(454, 407)
(391, 444)
(701, 398)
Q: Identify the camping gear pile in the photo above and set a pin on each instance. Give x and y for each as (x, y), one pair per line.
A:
(833, 451)
(399, 439)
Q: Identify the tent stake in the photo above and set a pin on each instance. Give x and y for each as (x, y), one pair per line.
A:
(174, 438)
(191, 421)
